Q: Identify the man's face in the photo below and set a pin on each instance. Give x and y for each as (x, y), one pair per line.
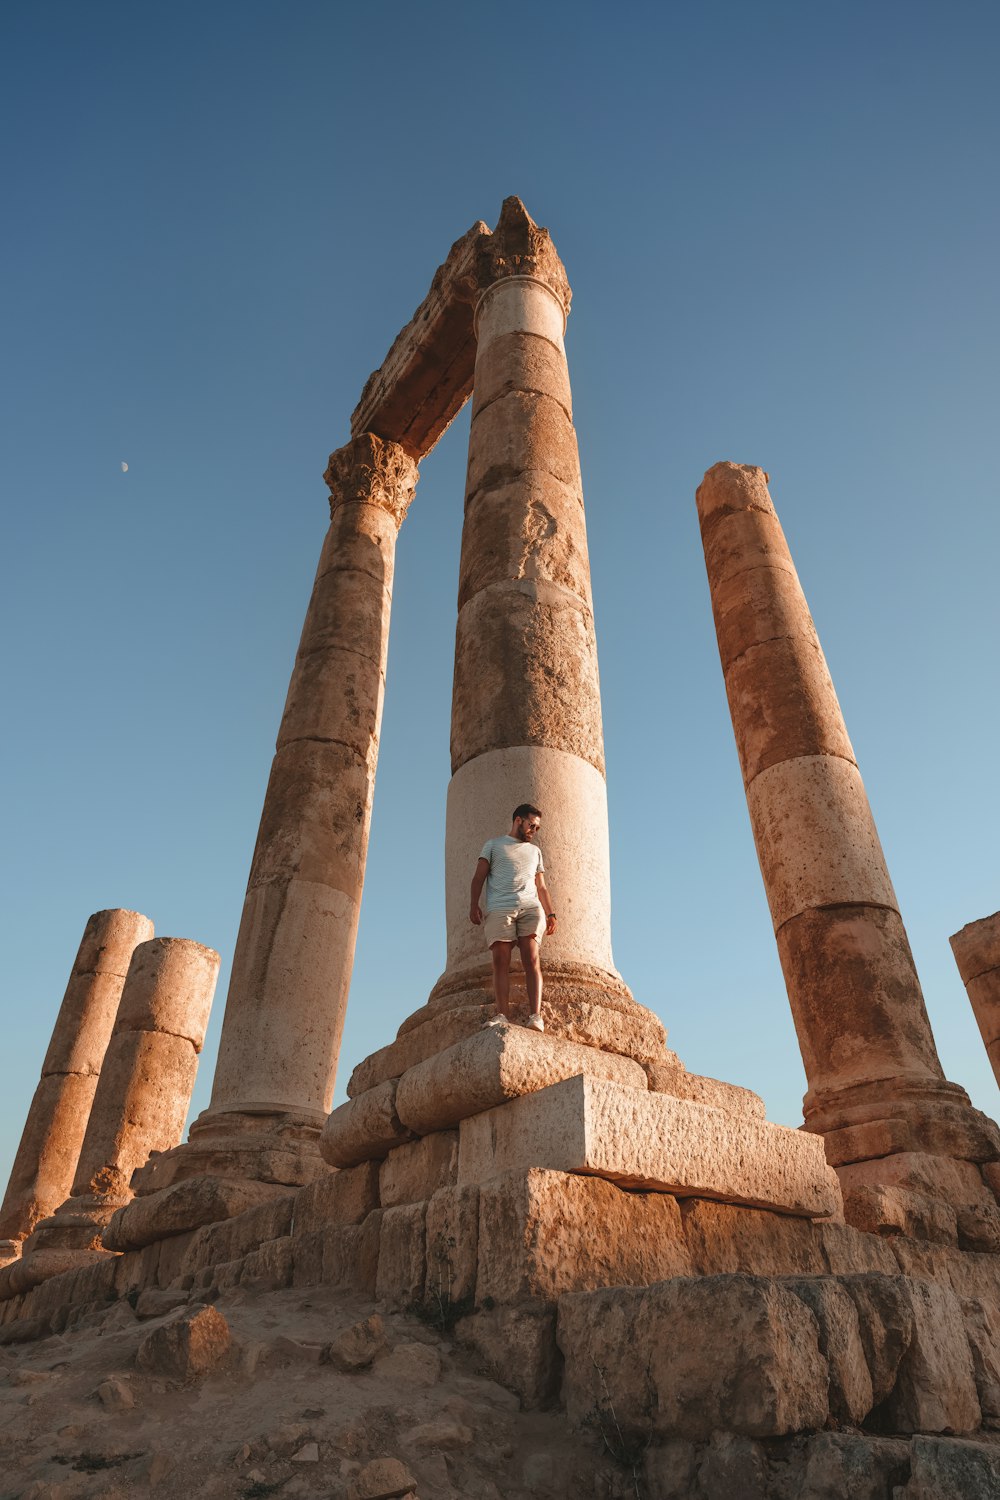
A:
(526, 828)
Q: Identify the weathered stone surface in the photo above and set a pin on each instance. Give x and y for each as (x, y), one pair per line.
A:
(545, 1233)
(497, 1064)
(169, 988)
(357, 1346)
(816, 839)
(344, 1197)
(959, 1183)
(854, 963)
(189, 1345)
(402, 1255)
(506, 691)
(48, 1152)
(896, 1210)
(935, 1389)
(521, 431)
(941, 1129)
(761, 1375)
(780, 698)
(668, 1469)
(237, 1236)
(632, 1032)
(976, 947)
(518, 1346)
(185, 1206)
(269, 1267)
(46, 1160)
(650, 1141)
(452, 1247)
(667, 1079)
(974, 1275)
(365, 1128)
(519, 361)
(156, 1302)
(732, 1465)
(977, 952)
(42, 1265)
(723, 1237)
(946, 1469)
(851, 1393)
(982, 1328)
(839, 1464)
(540, 540)
(412, 1173)
(140, 1106)
(350, 1256)
(383, 1479)
(885, 1320)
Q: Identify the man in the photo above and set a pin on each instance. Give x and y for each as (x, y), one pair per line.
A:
(518, 909)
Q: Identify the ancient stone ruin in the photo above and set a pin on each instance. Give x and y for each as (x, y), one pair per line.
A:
(751, 1309)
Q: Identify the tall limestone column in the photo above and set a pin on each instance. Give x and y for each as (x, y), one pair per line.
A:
(977, 952)
(47, 1156)
(876, 1087)
(294, 954)
(144, 1091)
(526, 708)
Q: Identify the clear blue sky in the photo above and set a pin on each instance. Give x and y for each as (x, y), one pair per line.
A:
(780, 222)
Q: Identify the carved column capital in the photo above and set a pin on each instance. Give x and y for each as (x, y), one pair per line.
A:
(374, 471)
(520, 247)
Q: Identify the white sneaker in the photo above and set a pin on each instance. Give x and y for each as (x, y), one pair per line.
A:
(496, 1021)
(535, 1023)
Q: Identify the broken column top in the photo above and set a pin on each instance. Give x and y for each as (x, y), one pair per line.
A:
(426, 377)
(976, 947)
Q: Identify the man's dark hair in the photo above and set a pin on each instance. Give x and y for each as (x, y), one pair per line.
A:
(525, 811)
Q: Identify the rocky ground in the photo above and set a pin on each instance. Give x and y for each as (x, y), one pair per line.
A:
(297, 1394)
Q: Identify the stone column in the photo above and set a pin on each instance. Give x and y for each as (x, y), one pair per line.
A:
(294, 954)
(47, 1157)
(526, 710)
(142, 1098)
(977, 953)
(876, 1085)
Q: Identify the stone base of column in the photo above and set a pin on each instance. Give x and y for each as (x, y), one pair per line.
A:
(29, 1271)
(233, 1160)
(77, 1225)
(877, 1118)
(582, 1004)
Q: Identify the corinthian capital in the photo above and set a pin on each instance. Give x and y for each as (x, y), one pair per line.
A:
(374, 471)
(520, 247)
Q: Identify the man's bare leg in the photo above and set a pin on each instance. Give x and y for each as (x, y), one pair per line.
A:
(532, 973)
(500, 953)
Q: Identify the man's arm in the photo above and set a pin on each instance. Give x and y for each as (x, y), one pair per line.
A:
(478, 881)
(546, 900)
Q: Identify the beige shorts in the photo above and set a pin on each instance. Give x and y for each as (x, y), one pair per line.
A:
(508, 926)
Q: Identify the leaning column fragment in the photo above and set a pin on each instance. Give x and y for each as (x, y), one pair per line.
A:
(143, 1095)
(47, 1156)
(876, 1086)
(977, 952)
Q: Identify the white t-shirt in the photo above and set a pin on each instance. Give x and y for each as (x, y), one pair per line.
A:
(513, 867)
